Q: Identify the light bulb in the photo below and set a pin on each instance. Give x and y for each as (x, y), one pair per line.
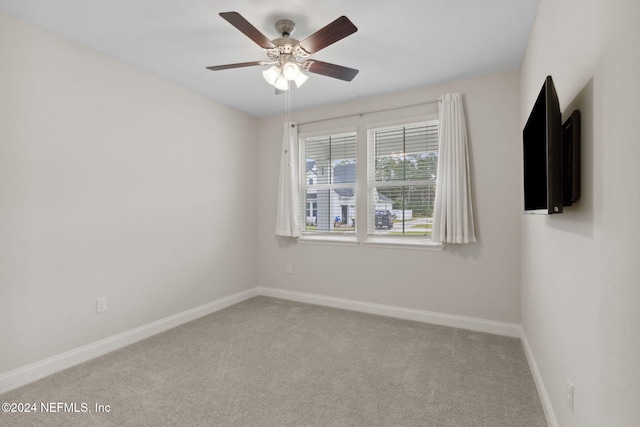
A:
(290, 70)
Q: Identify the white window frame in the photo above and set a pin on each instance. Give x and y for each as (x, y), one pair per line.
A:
(378, 239)
(332, 237)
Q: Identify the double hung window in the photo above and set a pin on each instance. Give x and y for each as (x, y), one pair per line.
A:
(402, 171)
(328, 183)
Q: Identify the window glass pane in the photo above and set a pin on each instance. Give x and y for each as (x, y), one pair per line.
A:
(318, 159)
(343, 151)
(329, 185)
(404, 210)
(389, 159)
(330, 210)
(406, 153)
(311, 211)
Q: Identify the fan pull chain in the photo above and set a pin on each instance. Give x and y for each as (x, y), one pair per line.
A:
(287, 103)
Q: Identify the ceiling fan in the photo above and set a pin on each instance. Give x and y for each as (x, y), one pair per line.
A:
(287, 56)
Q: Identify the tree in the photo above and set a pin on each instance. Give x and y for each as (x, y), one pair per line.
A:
(422, 166)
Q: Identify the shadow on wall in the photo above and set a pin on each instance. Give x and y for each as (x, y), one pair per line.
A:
(465, 251)
(285, 242)
(578, 218)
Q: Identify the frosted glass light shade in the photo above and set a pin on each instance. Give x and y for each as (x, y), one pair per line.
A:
(271, 75)
(290, 70)
(300, 79)
(281, 83)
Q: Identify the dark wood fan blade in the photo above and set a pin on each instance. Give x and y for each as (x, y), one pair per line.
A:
(331, 70)
(337, 30)
(238, 65)
(235, 19)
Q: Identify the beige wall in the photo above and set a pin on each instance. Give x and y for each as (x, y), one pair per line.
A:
(478, 280)
(113, 183)
(580, 271)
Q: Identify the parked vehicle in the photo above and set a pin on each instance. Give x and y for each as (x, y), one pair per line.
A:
(384, 218)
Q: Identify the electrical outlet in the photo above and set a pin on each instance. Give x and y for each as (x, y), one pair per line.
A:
(570, 395)
(101, 305)
(289, 269)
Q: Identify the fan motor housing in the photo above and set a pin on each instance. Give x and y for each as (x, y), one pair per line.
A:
(285, 27)
(285, 44)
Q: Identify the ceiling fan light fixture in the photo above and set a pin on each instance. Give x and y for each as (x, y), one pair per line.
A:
(290, 70)
(300, 79)
(281, 83)
(289, 55)
(271, 75)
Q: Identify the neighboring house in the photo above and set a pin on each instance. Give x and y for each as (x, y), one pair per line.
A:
(341, 206)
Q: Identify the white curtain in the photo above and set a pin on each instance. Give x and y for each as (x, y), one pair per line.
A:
(288, 217)
(453, 213)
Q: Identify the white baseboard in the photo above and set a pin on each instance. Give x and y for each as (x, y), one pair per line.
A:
(537, 379)
(35, 371)
(470, 323)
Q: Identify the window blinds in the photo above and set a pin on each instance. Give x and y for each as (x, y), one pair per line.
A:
(402, 175)
(328, 187)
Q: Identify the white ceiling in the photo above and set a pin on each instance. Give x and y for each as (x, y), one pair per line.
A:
(399, 44)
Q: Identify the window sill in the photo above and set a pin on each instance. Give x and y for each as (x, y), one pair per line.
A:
(329, 239)
(403, 243)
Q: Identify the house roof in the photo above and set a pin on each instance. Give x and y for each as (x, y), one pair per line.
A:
(310, 164)
(344, 173)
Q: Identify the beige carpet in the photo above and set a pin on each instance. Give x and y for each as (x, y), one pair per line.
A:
(270, 362)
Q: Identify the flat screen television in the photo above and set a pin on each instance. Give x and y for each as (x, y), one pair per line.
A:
(542, 150)
(571, 158)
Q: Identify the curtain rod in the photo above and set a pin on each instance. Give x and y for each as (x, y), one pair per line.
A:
(366, 112)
